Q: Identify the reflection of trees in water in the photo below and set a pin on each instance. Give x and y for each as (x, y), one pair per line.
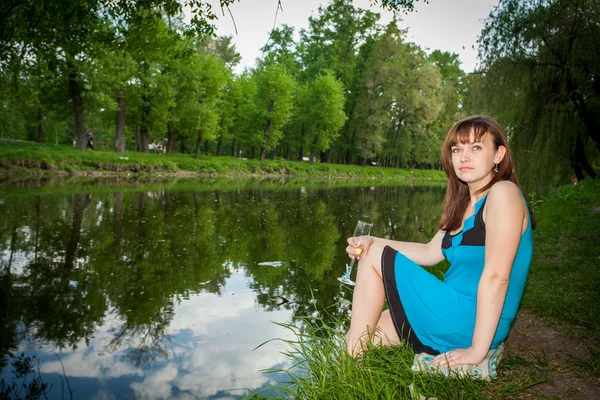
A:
(143, 253)
(8, 319)
(315, 231)
(142, 344)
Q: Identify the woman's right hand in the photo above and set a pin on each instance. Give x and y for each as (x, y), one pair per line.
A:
(358, 246)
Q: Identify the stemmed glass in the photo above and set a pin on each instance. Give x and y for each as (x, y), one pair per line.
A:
(362, 229)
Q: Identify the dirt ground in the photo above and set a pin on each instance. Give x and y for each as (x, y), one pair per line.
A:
(552, 357)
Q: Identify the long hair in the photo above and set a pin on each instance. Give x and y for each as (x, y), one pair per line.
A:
(457, 195)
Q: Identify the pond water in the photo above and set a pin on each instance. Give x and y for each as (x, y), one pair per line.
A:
(166, 290)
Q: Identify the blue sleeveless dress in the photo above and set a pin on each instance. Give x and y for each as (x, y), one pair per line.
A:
(437, 316)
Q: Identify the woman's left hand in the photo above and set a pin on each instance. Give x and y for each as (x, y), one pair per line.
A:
(457, 357)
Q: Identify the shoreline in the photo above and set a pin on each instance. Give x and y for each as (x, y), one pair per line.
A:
(32, 160)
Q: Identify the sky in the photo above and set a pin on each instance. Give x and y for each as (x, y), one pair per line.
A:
(447, 25)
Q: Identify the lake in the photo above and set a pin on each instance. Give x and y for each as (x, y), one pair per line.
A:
(121, 290)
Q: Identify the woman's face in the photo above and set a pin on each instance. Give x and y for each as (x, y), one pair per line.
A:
(474, 162)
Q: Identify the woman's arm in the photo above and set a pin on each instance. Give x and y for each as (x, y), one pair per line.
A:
(424, 254)
(505, 216)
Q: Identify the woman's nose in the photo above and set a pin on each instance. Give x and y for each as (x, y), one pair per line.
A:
(465, 156)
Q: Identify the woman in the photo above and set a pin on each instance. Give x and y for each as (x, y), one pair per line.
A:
(485, 233)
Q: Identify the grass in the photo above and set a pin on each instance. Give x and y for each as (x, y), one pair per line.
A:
(323, 370)
(26, 159)
(564, 281)
(562, 289)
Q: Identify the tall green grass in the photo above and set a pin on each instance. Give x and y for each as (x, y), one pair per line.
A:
(322, 369)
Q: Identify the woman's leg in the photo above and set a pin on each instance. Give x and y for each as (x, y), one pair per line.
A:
(367, 301)
(386, 334)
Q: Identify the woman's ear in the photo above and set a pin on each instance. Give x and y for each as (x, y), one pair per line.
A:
(500, 152)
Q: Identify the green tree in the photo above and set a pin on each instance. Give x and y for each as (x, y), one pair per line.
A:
(540, 78)
(246, 131)
(322, 113)
(274, 102)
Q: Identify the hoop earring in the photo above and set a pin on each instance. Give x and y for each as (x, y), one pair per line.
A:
(495, 168)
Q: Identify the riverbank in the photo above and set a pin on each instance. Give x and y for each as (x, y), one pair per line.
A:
(553, 350)
(30, 160)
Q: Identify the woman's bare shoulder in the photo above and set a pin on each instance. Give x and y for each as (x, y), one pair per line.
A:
(506, 195)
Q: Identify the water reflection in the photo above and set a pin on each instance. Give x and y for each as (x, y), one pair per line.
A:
(165, 293)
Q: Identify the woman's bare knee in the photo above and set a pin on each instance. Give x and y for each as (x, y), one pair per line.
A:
(372, 259)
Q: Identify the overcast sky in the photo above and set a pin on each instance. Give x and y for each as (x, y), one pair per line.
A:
(448, 25)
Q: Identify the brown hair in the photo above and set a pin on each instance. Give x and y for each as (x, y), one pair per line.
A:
(457, 194)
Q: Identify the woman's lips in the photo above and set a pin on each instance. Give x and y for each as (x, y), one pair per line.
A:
(463, 169)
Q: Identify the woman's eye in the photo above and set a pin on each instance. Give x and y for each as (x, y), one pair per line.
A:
(477, 147)
(455, 150)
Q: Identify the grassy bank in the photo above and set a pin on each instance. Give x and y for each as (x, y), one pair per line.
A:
(561, 294)
(24, 159)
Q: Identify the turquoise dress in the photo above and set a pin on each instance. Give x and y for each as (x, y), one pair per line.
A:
(438, 316)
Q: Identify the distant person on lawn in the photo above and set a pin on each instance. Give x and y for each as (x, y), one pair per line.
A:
(485, 233)
(89, 138)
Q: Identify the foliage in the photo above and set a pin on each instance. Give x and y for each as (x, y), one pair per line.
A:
(347, 90)
(27, 383)
(539, 77)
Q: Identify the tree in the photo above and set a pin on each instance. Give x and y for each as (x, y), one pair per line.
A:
(274, 100)
(540, 78)
(322, 113)
(72, 32)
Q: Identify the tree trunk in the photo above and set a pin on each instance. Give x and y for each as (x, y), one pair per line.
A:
(313, 151)
(77, 102)
(137, 142)
(302, 136)
(349, 157)
(274, 153)
(581, 163)
(41, 132)
(144, 125)
(344, 149)
(591, 123)
(219, 147)
(171, 138)
(120, 139)
(267, 129)
(198, 143)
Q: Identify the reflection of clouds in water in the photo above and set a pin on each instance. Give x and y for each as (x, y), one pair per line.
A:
(220, 355)
(103, 395)
(156, 384)
(212, 342)
(90, 364)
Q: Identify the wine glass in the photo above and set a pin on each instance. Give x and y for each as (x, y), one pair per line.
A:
(362, 229)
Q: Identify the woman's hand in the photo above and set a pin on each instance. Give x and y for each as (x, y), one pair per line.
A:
(457, 357)
(358, 246)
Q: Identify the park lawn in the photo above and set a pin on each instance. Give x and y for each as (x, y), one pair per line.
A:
(561, 293)
(34, 159)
